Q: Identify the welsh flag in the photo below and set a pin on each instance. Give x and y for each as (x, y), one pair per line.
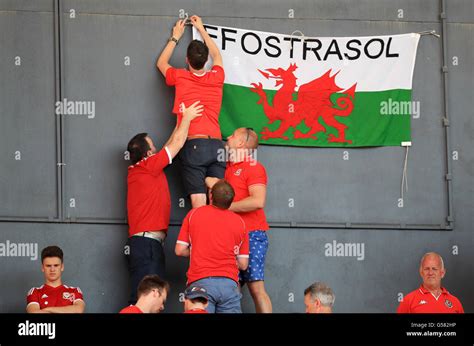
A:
(317, 91)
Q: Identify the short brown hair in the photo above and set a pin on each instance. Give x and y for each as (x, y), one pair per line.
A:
(197, 54)
(52, 251)
(149, 283)
(222, 194)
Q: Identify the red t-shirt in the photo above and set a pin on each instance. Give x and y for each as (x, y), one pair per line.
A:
(241, 176)
(216, 237)
(132, 309)
(422, 301)
(196, 311)
(46, 295)
(148, 196)
(207, 89)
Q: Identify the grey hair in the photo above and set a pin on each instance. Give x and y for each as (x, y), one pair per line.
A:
(322, 292)
(432, 254)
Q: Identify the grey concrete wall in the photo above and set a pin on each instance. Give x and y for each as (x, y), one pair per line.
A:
(325, 188)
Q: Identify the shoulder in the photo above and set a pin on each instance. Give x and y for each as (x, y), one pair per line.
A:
(72, 289)
(410, 296)
(217, 68)
(33, 290)
(255, 166)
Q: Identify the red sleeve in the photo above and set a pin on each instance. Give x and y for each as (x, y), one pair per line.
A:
(256, 175)
(159, 161)
(183, 236)
(171, 76)
(32, 296)
(219, 74)
(404, 307)
(78, 294)
(461, 309)
(244, 247)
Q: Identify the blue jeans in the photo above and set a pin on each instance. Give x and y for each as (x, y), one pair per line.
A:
(224, 294)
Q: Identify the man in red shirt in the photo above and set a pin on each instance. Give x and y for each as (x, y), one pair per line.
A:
(195, 300)
(430, 297)
(148, 200)
(199, 157)
(249, 180)
(152, 293)
(217, 242)
(53, 296)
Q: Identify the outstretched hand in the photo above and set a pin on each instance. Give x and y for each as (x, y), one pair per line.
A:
(178, 29)
(197, 22)
(193, 111)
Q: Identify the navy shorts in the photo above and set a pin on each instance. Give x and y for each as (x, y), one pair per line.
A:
(258, 243)
(201, 158)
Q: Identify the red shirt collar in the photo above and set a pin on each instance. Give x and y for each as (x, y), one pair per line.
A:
(425, 291)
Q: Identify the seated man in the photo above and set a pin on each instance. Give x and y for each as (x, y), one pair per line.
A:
(319, 298)
(220, 247)
(152, 293)
(430, 297)
(195, 300)
(53, 296)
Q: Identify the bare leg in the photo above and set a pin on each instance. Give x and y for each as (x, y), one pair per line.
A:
(198, 200)
(260, 297)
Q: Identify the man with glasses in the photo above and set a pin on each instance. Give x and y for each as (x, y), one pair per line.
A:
(249, 180)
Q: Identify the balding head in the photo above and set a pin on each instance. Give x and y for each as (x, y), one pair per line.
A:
(432, 270)
(243, 138)
(432, 256)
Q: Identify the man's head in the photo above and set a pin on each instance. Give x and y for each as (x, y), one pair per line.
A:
(222, 194)
(152, 293)
(319, 298)
(52, 263)
(195, 297)
(432, 270)
(140, 146)
(197, 54)
(243, 138)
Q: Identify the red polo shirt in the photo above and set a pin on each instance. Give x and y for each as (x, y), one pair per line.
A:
(59, 296)
(132, 309)
(206, 88)
(243, 175)
(216, 237)
(422, 301)
(148, 196)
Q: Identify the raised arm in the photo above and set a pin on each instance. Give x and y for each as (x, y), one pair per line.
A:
(180, 134)
(163, 61)
(213, 50)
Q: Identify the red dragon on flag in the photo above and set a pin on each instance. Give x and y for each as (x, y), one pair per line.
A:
(313, 101)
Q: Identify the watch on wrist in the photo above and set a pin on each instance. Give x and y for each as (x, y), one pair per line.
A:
(172, 39)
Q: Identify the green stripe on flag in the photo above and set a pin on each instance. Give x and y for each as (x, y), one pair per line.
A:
(366, 125)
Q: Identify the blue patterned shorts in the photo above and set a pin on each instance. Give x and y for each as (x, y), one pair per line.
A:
(258, 242)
